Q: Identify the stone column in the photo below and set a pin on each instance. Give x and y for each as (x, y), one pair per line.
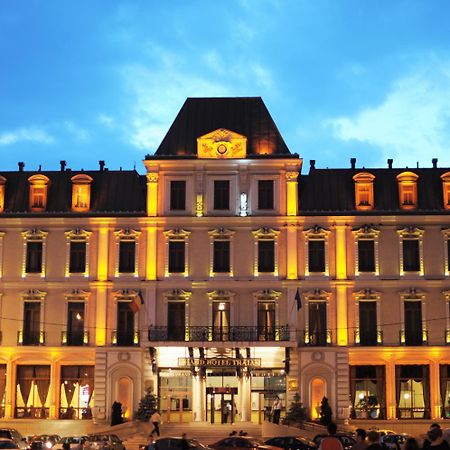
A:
(152, 194)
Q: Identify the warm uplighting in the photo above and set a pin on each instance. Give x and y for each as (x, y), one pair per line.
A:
(407, 188)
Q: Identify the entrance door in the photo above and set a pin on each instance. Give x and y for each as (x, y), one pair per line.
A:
(220, 405)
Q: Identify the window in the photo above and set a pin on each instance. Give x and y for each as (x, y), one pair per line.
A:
(127, 251)
(31, 323)
(34, 252)
(77, 262)
(316, 254)
(176, 257)
(177, 195)
(75, 323)
(176, 322)
(221, 194)
(221, 256)
(317, 323)
(266, 251)
(32, 387)
(266, 321)
(2, 195)
(446, 241)
(366, 250)
(81, 193)
(77, 384)
(265, 194)
(413, 322)
(177, 252)
(411, 250)
(364, 198)
(125, 324)
(407, 188)
(368, 328)
(446, 189)
(38, 192)
(366, 255)
(413, 392)
(221, 320)
(34, 257)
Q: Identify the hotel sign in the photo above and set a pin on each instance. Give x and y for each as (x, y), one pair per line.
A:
(219, 362)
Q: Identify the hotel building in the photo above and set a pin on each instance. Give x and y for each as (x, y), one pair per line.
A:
(226, 273)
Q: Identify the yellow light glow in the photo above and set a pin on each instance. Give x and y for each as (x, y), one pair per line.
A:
(292, 201)
(152, 194)
(341, 308)
(100, 325)
(102, 270)
(292, 256)
(151, 253)
(341, 257)
(199, 205)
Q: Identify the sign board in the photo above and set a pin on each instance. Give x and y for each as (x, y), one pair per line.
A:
(219, 362)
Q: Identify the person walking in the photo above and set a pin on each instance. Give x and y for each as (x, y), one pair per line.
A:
(331, 442)
(155, 419)
(276, 410)
(361, 443)
(373, 439)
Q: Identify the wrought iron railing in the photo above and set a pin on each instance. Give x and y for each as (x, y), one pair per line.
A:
(413, 340)
(318, 338)
(367, 341)
(31, 412)
(75, 339)
(27, 338)
(128, 339)
(219, 334)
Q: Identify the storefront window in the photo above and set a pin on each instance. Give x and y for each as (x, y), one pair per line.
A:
(412, 392)
(445, 390)
(175, 395)
(266, 385)
(77, 391)
(368, 392)
(32, 386)
(2, 389)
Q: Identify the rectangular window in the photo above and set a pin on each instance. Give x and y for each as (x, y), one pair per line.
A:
(408, 195)
(266, 321)
(34, 257)
(316, 256)
(411, 255)
(176, 320)
(221, 321)
(221, 194)
(413, 391)
(127, 255)
(266, 256)
(77, 262)
(38, 195)
(368, 323)
(265, 194)
(413, 322)
(178, 195)
(221, 261)
(75, 323)
(31, 323)
(176, 256)
(317, 323)
(366, 255)
(125, 324)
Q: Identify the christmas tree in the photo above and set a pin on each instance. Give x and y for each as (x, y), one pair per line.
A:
(296, 413)
(116, 415)
(147, 406)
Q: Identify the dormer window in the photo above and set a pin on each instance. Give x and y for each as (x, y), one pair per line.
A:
(446, 189)
(364, 191)
(407, 190)
(81, 192)
(38, 192)
(2, 193)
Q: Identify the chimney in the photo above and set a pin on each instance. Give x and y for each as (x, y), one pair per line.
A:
(21, 166)
(312, 163)
(63, 165)
(353, 162)
(102, 165)
(390, 161)
(434, 161)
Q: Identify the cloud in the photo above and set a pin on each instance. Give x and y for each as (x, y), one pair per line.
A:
(28, 134)
(106, 120)
(80, 134)
(413, 120)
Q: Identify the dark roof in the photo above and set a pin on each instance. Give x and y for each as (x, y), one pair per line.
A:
(244, 115)
(332, 191)
(112, 193)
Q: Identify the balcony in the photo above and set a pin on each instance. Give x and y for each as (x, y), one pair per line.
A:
(75, 339)
(318, 338)
(126, 338)
(414, 339)
(219, 334)
(30, 338)
(368, 340)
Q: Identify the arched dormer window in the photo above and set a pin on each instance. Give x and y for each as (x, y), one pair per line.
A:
(2, 193)
(81, 192)
(38, 192)
(407, 190)
(364, 191)
(445, 177)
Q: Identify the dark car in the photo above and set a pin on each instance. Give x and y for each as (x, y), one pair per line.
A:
(175, 443)
(43, 441)
(292, 443)
(103, 442)
(347, 440)
(394, 441)
(8, 444)
(242, 442)
(14, 435)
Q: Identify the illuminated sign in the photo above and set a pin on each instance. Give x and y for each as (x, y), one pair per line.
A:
(219, 362)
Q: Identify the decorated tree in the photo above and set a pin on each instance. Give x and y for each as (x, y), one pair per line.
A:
(297, 412)
(147, 406)
(325, 412)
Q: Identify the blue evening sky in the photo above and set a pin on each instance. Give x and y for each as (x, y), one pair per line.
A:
(84, 80)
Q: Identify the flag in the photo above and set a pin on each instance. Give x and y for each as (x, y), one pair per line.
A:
(298, 300)
(135, 304)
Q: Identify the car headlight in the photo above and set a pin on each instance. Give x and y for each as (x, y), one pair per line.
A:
(48, 444)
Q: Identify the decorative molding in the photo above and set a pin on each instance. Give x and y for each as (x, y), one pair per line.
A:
(177, 234)
(267, 294)
(220, 144)
(33, 294)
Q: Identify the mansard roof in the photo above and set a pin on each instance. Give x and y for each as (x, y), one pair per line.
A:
(113, 193)
(244, 115)
(332, 191)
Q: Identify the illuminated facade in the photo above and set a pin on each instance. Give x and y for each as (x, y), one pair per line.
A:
(225, 276)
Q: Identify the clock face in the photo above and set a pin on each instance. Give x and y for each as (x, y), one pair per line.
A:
(222, 149)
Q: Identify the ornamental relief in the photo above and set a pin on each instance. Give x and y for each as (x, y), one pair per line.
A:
(221, 144)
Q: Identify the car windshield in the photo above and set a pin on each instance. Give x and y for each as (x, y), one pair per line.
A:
(7, 444)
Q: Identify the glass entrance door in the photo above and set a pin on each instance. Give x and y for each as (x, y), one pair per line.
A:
(221, 405)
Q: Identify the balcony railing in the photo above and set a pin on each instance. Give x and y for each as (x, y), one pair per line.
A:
(366, 341)
(219, 334)
(317, 339)
(27, 338)
(31, 412)
(125, 339)
(75, 339)
(413, 413)
(413, 340)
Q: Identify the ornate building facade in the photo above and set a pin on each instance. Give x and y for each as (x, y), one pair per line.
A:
(225, 276)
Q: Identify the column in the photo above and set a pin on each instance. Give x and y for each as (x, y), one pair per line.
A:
(53, 392)
(151, 263)
(391, 405)
(341, 314)
(198, 398)
(102, 277)
(435, 398)
(341, 252)
(245, 394)
(291, 193)
(152, 194)
(10, 390)
(291, 252)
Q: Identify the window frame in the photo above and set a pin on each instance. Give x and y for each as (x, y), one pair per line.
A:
(417, 296)
(221, 235)
(76, 296)
(81, 182)
(125, 296)
(32, 236)
(367, 233)
(38, 182)
(30, 296)
(77, 235)
(234, 201)
(411, 233)
(368, 295)
(177, 235)
(407, 186)
(127, 235)
(253, 206)
(265, 234)
(316, 233)
(364, 180)
(445, 177)
(317, 295)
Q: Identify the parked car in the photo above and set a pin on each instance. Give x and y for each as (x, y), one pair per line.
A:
(103, 441)
(14, 435)
(43, 441)
(242, 442)
(394, 441)
(8, 443)
(174, 443)
(292, 443)
(75, 442)
(347, 440)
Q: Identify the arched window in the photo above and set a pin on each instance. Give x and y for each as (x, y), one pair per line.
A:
(81, 192)
(446, 189)
(407, 190)
(364, 191)
(38, 192)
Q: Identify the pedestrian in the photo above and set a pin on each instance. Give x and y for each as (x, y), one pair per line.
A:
(331, 442)
(276, 410)
(226, 411)
(411, 444)
(155, 419)
(427, 443)
(361, 443)
(373, 439)
(436, 439)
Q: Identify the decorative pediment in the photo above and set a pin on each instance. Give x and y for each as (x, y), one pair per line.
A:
(76, 294)
(33, 294)
(316, 232)
(178, 294)
(177, 234)
(412, 294)
(220, 295)
(366, 232)
(221, 233)
(317, 294)
(267, 294)
(265, 233)
(127, 234)
(411, 232)
(367, 294)
(222, 143)
(446, 295)
(34, 235)
(125, 294)
(78, 234)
